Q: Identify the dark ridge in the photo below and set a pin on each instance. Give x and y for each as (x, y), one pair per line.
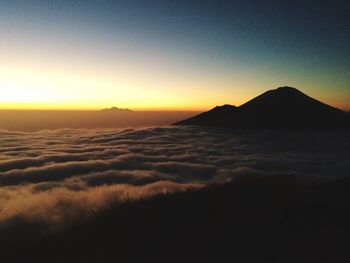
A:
(281, 108)
(253, 219)
(217, 116)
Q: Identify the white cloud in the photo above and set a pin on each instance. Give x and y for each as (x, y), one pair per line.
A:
(48, 171)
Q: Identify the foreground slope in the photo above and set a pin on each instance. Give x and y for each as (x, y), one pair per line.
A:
(282, 108)
(253, 219)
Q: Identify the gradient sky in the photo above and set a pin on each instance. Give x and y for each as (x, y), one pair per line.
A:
(184, 55)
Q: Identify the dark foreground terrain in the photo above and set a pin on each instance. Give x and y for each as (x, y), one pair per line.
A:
(254, 219)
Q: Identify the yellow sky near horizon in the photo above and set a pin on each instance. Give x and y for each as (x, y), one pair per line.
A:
(51, 59)
(46, 76)
(31, 83)
(47, 88)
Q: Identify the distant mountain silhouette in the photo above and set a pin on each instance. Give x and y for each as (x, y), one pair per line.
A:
(281, 108)
(116, 109)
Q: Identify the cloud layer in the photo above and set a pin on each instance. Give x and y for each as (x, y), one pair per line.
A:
(64, 172)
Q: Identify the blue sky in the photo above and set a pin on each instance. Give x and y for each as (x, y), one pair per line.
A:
(171, 54)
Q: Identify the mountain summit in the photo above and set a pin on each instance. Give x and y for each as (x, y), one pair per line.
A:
(281, 108)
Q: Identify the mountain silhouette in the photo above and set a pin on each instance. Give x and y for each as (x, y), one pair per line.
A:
(116, 109)
(281, 108)
(217, 116)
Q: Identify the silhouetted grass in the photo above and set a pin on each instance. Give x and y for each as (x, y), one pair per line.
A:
(253, 219)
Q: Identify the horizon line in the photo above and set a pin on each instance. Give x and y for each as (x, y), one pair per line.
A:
(94, 109)
(102, 109)
(141, 109)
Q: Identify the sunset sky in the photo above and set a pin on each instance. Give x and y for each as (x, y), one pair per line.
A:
(169, 55)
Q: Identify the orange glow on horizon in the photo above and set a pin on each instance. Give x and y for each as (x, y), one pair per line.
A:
(69, 71)
(59, 107)
(39, 107)
(65, 81)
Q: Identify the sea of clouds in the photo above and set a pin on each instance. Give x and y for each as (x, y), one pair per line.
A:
(55, 174)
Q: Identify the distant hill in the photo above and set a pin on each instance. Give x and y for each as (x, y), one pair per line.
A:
(281, 108)
(116, 109)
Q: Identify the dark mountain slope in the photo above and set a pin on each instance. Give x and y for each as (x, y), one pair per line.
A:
(217, 116)
(282, 108)
(253, 219)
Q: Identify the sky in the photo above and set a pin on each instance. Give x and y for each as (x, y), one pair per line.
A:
(170, 55)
